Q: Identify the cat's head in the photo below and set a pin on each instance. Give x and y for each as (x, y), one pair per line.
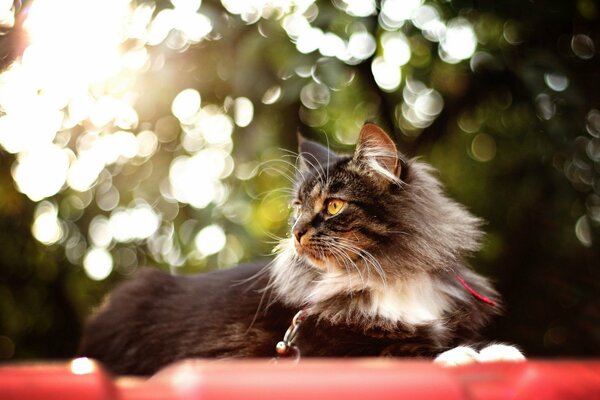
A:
(373, 213)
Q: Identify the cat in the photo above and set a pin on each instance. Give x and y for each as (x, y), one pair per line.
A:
(375, 261)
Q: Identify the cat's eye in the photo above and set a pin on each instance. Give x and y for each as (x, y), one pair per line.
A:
(334, 206)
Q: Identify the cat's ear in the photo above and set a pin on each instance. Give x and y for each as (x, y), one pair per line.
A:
(313, 156)
(376, 151)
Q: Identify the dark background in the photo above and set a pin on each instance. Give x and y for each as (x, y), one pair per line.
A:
(517, 141)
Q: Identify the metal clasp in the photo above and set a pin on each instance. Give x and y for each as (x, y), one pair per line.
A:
(286, 348)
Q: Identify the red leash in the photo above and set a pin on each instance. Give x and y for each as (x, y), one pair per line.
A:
(473, 292)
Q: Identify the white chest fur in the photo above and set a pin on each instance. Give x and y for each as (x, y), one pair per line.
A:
(415, 301)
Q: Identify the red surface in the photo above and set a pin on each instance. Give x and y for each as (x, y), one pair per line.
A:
(335, 379)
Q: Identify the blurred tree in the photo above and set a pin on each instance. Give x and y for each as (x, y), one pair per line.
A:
(153, 132)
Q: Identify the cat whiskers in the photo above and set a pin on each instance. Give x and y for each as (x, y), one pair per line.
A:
(322, 173)
(366, 257)
(276, 240)
(266, 166)
(290, 258)
(280, 251)
(328, 160)
(347, 262)
(337, 250)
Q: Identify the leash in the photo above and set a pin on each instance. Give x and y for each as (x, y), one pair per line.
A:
(474, 293)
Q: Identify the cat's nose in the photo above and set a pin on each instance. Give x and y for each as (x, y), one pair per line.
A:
(299, 231)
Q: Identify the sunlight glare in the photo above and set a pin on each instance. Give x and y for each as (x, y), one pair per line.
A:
(99, 231)
(82, 366)
(387, 75)
(309, 40)
(460, 41)
(20, 132)
(87, 56)
(361, 45)
(190, 186)
(243, 111)
(332, 46)
(196, 180)
(187, 5)
(186, 105)
(138, 223)
(359, 8)
(215, 126)
(421, 105)
(46, 227)
(41, 172)
(85, 170)
(7, 15)
(556, 81)
(427, 18)
(75, 60)
(252, 10)
(295, 25)
(396, 49)
(147, 143)
(210, 240)
(397, 11)
(98, 263)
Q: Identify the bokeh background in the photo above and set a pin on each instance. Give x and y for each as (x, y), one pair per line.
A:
(160, 133)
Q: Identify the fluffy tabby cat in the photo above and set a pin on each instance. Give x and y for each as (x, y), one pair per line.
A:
(376, 258)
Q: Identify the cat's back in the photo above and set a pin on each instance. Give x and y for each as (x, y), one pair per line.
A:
(147, 318)
(146, 289)
(151, 287)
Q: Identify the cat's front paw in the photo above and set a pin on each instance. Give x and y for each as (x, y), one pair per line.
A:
(460, 355)
(463, 355)
(500, 352)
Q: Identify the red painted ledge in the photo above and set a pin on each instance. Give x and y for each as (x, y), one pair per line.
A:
(373, 378)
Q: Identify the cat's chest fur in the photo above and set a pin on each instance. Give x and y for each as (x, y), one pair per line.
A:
(414, 300)
(406, 318)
